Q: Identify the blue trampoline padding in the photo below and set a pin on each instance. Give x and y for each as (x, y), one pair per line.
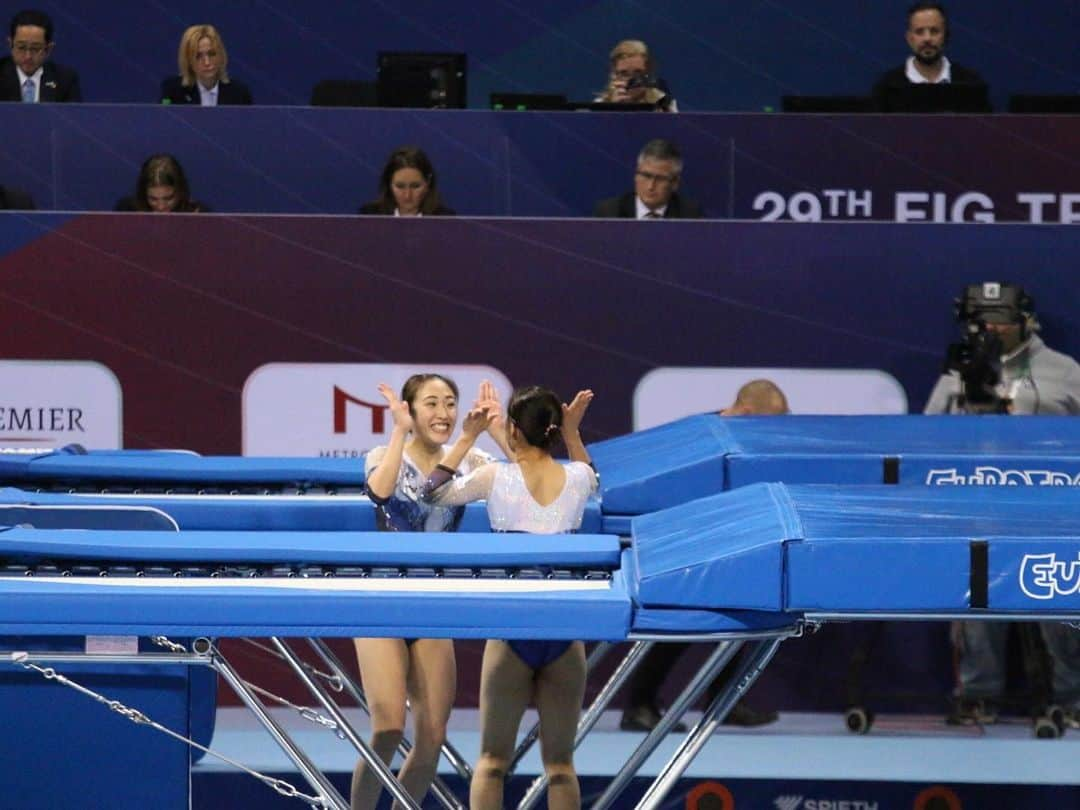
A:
(679, 622)
(263, 512)
(643, 471)
(853, 549)
(60, 608)
(85, 516)
(419, 549)
(148, 467)
(701, 455)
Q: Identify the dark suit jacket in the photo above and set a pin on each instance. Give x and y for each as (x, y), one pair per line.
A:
(231, 92)
(58, 83)
(14, 199)
(374, 209)
(624, 208)
(897, 77)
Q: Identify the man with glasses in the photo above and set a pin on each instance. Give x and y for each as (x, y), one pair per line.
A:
(26, 75)
(656, 183)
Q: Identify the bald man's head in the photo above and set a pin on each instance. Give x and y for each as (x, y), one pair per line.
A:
(758, 398)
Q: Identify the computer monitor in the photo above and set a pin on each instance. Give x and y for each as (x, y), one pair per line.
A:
(425, 80)
(528, 101)
(936, 98)
(1064, 103)
(827, 104)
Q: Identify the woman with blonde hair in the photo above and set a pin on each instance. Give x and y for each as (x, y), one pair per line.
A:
(632, 78)
(204, 76)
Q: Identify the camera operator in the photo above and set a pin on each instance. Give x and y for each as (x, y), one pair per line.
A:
(1003, 366)
(633, 78)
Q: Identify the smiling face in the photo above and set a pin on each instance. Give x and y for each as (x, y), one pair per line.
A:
(434, 412)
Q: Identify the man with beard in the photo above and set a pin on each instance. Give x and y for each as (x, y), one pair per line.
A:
(927, 34)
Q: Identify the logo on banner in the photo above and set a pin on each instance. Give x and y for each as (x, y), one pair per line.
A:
(47, 404)
(996, 477)
(793, 802)
(334, 410)
(1043, 576)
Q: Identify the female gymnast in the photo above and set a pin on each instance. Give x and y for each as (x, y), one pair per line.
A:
(536, 494)
(423, 670)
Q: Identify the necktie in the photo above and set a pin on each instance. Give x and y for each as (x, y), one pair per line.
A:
(652, 215)
(28, 91)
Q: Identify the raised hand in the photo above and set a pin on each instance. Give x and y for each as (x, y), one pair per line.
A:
(575, 411)
(476, 421)
(399, 409)
(488, 398)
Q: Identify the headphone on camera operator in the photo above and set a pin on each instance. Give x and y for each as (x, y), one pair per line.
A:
(988, 311)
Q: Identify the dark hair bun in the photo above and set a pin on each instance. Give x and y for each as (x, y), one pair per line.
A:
(537, 413)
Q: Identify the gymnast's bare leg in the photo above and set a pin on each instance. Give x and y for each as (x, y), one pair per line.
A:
(560, 689)
(389, 671)
(506, 685)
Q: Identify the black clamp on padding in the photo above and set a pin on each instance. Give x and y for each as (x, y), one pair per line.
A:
(890, 470)
(980, 572)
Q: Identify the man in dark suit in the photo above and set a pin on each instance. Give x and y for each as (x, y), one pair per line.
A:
(26, 75)
(927, 34)
(656, 184)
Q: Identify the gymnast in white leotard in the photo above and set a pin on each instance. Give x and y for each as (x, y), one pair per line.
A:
(536, 494)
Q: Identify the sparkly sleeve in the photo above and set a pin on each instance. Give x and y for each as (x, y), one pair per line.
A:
(477, 458)
(584, 478)
(475, 486)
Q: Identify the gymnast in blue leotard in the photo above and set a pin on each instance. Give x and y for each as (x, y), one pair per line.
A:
(423, 670)
(537, 494)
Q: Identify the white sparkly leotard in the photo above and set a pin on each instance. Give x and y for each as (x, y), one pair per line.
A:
(510, 505)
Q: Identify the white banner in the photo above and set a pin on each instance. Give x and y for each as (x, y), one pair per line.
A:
(334, 409)
(666, 394)
(46, 404)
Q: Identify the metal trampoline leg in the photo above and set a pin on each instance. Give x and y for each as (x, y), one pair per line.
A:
(697, 686)
(691, 746)
(306, 767)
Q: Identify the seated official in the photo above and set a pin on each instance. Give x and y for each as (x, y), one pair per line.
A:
(408, 187)
(27, 75)
(656, 182)
(204, 76)
(14, 199)
(162, 188)
(926, 36)
(632, 78)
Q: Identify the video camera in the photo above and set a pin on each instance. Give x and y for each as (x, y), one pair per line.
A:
(977, 358)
